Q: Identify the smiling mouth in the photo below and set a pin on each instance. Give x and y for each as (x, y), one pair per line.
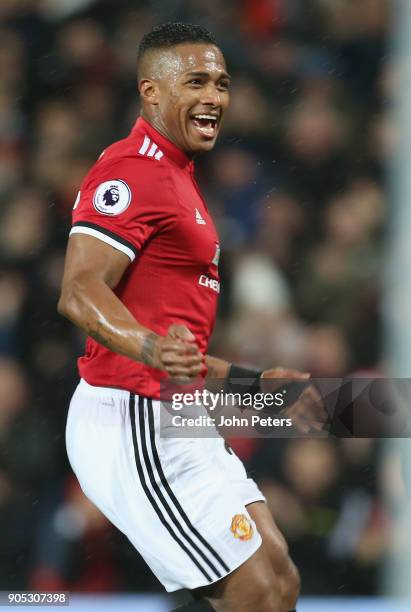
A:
(205, 124)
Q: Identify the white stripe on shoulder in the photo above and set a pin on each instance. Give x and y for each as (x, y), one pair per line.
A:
(79, 229)
(150, 149)
(145, 145)
(153, 149)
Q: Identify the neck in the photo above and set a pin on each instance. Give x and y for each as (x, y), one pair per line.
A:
(158, 125)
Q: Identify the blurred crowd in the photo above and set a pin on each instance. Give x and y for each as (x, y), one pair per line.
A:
(296, 186)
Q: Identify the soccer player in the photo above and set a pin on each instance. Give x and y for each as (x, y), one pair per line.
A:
(141, 279)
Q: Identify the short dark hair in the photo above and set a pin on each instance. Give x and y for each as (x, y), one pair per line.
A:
(173, 33)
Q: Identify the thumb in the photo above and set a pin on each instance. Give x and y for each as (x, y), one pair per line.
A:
(181, 332)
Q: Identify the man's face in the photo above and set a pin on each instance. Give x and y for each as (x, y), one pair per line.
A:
(192, 95)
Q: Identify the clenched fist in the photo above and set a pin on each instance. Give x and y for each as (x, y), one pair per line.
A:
(177, 353)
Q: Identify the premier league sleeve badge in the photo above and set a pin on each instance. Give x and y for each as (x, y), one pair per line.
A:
(112, 197)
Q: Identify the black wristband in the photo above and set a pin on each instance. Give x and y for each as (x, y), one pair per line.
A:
(243, 380)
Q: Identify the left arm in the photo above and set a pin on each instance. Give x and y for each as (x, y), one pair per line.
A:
(216, 368)
(217, 371)
(308, 412)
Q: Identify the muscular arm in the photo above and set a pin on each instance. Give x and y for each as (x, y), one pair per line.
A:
(92, 270)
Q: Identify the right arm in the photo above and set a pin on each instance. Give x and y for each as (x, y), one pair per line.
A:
(92, 270)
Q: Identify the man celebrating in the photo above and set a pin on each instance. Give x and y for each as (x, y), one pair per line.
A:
(141, 278)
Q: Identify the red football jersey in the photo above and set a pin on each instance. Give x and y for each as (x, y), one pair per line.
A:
(142, 199)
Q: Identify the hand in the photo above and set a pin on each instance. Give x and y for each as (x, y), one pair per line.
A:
(307, 411)
(274, 379)
(178, 354)
(285, 374)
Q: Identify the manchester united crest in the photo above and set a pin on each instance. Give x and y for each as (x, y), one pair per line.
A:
(241, 527)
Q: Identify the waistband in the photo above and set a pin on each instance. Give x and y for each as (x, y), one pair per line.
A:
(84, 387)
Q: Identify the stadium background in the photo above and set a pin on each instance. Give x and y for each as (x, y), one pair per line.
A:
(296, 185)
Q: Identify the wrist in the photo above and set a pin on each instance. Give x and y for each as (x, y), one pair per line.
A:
(150, 350)
(243, 380)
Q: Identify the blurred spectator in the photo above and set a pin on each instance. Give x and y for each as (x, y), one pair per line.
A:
(78, 549)
(313, 162)
(339, 282)
(13, 289)
(19, 241)
(281, 226)
(26, 463)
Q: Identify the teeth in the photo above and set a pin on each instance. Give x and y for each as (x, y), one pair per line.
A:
(209, 117)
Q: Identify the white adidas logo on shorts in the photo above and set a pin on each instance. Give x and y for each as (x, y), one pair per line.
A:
(150, 149)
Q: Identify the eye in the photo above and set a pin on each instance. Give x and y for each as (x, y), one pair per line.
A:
(195, 82)
(224, 85)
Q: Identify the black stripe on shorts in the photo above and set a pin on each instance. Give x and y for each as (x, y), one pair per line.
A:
(147, 491)
(171, 493)
(159, 490)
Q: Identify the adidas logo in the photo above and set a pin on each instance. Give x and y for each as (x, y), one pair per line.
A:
(199, 218)
(150, 149)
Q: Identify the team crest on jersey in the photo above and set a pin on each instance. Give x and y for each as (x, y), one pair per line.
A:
(241, 527)
(112, 197)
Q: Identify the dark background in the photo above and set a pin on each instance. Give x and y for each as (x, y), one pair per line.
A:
(296, 186)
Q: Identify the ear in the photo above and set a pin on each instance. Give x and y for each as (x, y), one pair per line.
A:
(149, 91)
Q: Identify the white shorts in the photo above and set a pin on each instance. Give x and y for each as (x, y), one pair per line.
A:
(180, 501)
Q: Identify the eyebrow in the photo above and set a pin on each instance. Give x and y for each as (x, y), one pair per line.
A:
(223, 75)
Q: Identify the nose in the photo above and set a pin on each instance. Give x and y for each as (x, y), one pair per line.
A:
(211, 95)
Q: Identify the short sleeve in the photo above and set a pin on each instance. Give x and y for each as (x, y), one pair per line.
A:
(123, 203)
